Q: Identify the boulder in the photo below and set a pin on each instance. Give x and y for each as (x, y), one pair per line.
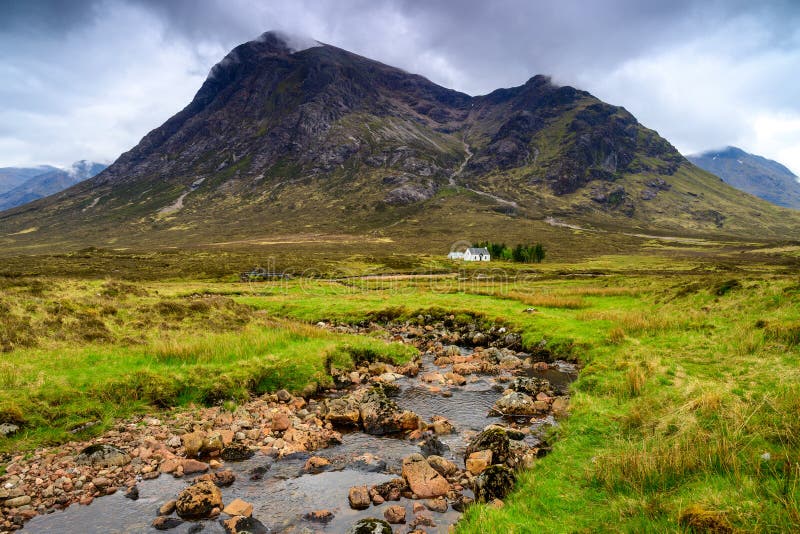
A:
(244, 525)
(198, 501)
(343, 411)
(492, 438)
(423, 479)
(102, 455)
(380, 415)
(494, 483)
(281, 422)
(359, 498)
(167, 508)
(370, 525)
(283, 395)
(237, 452)
(532, 386)
(515, 404)
(442, 426)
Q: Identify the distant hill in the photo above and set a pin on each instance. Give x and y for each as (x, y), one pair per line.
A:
(292, 142)
(29, 184)
(753, 174)
(11, 177)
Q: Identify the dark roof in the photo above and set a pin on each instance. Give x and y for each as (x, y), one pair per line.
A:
(476, 251)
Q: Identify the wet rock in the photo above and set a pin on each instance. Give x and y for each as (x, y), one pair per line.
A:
(257, 473)
(102, 455)
(319, 516)
(389, 491)
(437, 505)
(369, 463)
(198, 501)
(167, 508)
(132, 493)
(461, 503)
(423, 479)
(221, 479)
(381, 415)
(441, 426)
(494, 483)
(359, 498)
(237, 452)
(444, 467)
(433, 446)
(238, 507)
(492, 438)
(316, 464)
(166, 523)
(532, 386)
(370, 525)
(515, 404)
(213, 442)
(244, 525)
(395, 514)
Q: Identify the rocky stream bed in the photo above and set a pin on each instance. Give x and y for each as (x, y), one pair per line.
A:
(392, 449)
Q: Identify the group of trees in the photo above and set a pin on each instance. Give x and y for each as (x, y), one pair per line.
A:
(521, 253)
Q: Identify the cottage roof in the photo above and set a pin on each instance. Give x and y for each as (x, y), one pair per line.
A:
(478, 251)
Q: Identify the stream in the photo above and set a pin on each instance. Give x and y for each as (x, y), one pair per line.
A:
(286, 492)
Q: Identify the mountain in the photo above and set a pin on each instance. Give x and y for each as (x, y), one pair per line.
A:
(756, 175)
(46, 180)
(291, 141)
(11, 177)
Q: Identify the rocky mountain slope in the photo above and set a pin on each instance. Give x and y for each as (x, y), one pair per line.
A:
(759, 176)
(281, 142)
(42, 181)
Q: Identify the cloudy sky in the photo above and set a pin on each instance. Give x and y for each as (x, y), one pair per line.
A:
(87, 79)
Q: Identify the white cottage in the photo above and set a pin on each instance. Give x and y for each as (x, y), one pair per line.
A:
(477, 254)
(455, 256)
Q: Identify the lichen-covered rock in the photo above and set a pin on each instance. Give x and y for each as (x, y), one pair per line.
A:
(237, 452)
(102, 455)
(532, 386)
(492, 438)
(516, 404)
(380, 415)
(495, 482)
(443, 466)
(197, 501)
(343, 412)
(370, 525)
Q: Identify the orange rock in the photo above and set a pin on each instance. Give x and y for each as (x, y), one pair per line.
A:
(239, 507)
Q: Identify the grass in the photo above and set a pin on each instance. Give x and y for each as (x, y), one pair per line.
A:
(685, 417)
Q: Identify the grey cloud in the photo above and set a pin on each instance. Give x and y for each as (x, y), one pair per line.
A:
(702, 72)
